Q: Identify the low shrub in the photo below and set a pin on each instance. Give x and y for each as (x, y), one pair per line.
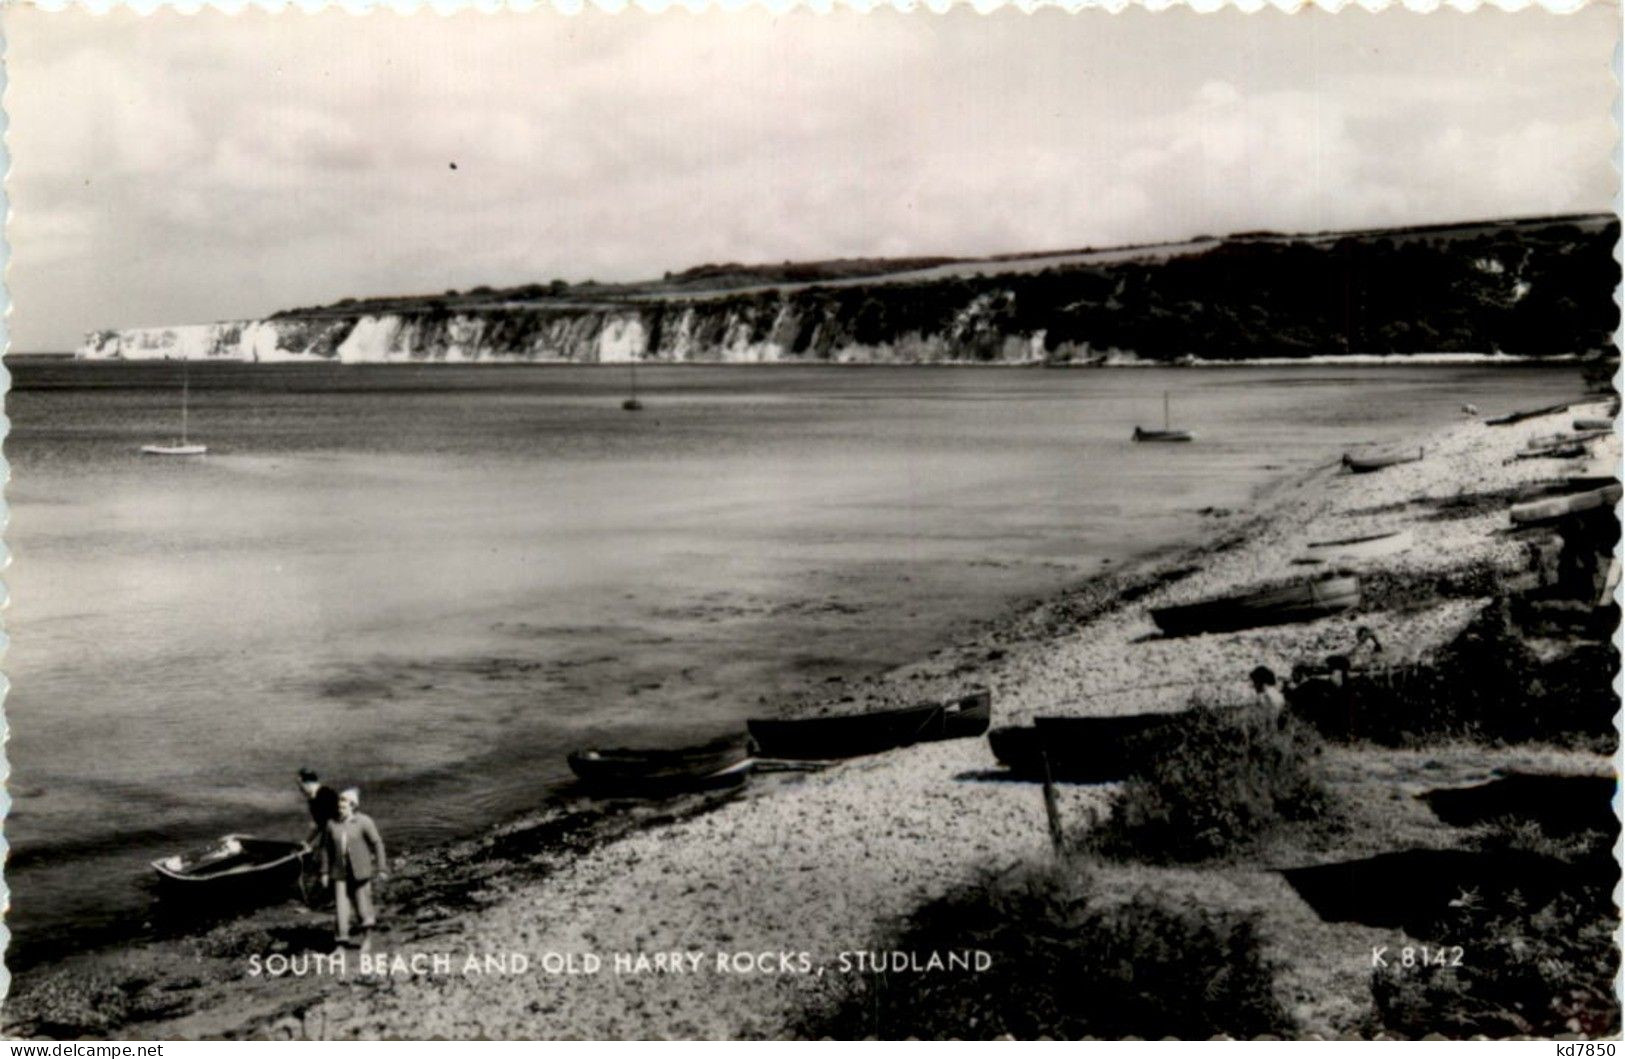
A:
(1065, 964)
(1212, 785)
(1488, 684)
(1525, 968)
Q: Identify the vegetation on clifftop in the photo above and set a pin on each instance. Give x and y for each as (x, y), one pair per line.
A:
(1532, 288)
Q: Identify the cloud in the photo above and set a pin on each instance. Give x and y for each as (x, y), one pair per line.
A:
(174, 168)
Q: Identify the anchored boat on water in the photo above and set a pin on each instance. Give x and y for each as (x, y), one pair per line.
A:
(632, 404)
(853, 735)
(183, 447)
(1167, 433)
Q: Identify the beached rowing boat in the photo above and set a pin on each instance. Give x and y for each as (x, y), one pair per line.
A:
(1554, 452)
(1565, 438)
(1536, 512)
(1079, 749)
(852, 735)
(1349, 549)
(1302, 601)
(1366, 462)
(1532, 413)
(651, 772)
(235, 867)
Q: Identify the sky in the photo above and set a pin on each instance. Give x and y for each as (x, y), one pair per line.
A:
(177, 168)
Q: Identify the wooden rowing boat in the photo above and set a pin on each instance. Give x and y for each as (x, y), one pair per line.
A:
(1565, 438)
(233, 867)
(1536, 512)
(1366, 462)
(1532, 413)
(853, 735)
(1349, 549)
(1302, 601)
(1554, 452)
(622, 770)
(1080, 749)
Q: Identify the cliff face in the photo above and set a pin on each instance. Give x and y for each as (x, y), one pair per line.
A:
(703, 332)
(1534, 288)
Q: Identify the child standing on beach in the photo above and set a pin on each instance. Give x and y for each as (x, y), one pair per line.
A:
(352, 857)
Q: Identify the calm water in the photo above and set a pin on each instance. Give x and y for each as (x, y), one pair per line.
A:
(433, 581)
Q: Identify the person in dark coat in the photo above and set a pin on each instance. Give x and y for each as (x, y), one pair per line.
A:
(352, 857)
(323, 803)
(1327, 702)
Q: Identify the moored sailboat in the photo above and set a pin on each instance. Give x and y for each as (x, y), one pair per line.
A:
(632, 404)
(1167, 433)
(183, 447)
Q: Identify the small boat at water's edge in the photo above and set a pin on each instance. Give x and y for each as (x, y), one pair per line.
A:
(233, 867)
(1531, 413)
(1366, 462)
(1303, 601)
(853, 735)
(629, 771)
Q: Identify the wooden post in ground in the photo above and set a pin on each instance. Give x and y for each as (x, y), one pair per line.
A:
(1057, 839)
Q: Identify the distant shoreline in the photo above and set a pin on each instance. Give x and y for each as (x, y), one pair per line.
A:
(1372, 360)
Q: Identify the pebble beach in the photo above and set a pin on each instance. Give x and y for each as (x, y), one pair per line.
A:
(759, 902)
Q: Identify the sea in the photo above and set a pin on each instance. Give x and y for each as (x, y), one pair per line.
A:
(433, 581)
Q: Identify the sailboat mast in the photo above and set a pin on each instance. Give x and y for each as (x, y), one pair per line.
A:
(1165, 409)
(186, 390)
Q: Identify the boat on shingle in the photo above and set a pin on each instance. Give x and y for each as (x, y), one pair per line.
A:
(1367, 546)
(1080, 749)
(650, 772)
(1376, 459)
(853, 735)
(1536, 512)
(1300, 601)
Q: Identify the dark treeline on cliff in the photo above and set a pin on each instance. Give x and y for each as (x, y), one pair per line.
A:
(1519, 291)
(1531, 287)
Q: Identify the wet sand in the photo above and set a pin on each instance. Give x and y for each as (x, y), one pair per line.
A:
(823, 863)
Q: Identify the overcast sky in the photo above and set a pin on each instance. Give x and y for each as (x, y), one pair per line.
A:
(185, 168)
